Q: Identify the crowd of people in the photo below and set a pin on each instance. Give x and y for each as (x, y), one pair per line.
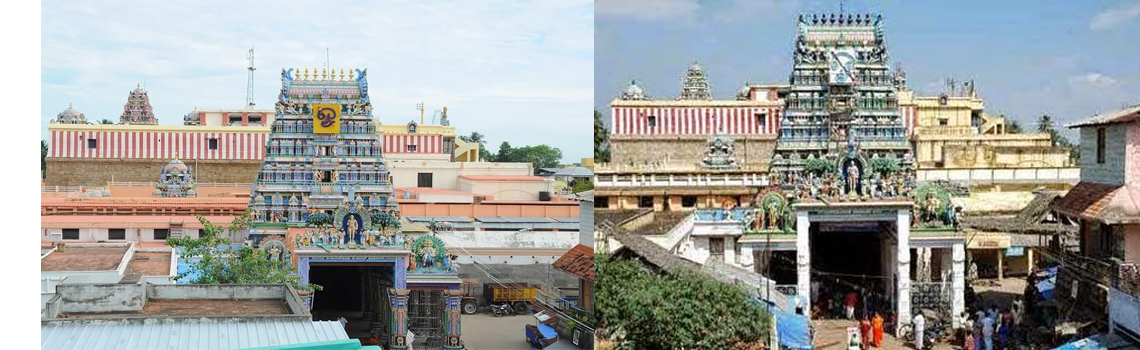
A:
(992, 328)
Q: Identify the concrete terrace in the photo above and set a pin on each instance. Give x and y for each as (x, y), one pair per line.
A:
(84, 259)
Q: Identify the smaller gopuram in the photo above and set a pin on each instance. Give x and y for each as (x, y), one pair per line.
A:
(137, 111)
(70, 116)
(176, 180)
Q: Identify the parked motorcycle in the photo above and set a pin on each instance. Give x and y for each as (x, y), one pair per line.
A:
(502, 309)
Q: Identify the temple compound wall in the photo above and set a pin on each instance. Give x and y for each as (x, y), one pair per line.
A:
(685, 152)
(97, 172)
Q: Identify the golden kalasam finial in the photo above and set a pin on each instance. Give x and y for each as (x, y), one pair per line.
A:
(324, 73)
(69, 105)
(445, 111)
(341, 74)
(351, 72)
(306, 74)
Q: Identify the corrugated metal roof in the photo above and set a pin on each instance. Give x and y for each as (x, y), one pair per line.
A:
(192, 334)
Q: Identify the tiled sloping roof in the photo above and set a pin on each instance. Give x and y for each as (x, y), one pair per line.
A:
(1109, 203)
(579, 261)
(1119, 116)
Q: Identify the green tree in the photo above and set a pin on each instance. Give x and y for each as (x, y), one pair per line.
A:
(542, 156)
(1045, 123)
(219, 263)
(476, 137)
(106, 121)
(1014, 127)
(601, 139)
(581, 185)
(673, 311)
(504, 153)
(43, 159)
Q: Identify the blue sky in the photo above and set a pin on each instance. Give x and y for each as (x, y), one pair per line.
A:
(1069, 59)
(514, 71)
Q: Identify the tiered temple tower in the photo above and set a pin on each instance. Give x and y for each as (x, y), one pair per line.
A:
(696, 84)
(323, 153)
(842, 102)
(137, 110)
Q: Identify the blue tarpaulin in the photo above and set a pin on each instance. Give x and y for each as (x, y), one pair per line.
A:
(1092, 342)
(794, 331)
(1047, 285)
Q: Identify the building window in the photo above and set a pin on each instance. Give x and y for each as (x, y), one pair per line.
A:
(255, 119)
(201, 232)
(762, 120)
(70, 233)
(688, 201)
(235, 119)
(602, 202)
(411, 148)
(423, 180)
(92, 143)
(1100, 142)
(652, 121)
(944, 122)
(117, 234)
(213, 143)
(161, 233)
(645, 202)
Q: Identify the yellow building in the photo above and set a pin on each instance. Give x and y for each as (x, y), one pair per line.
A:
(955, 132)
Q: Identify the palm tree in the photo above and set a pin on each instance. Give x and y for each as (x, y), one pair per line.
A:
(1045, 123)
(43, 159)
(478, 138)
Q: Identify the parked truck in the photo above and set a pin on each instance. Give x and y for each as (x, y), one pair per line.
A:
(517, 295)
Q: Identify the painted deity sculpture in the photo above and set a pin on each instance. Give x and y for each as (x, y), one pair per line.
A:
(428, 254)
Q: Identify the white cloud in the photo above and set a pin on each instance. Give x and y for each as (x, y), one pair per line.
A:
(1110, 18)
(646, 9)
(484, 61)
(1091, 80)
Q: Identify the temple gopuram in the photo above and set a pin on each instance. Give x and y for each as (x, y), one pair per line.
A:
(137, 111)
(789, 181)
(323, 201)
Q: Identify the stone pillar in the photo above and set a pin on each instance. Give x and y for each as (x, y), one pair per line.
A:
(1001, 263)
(902, 293)
(1029, 256)
(730, 250)
(746, 258)
(398, 329)
(803, 260)
(451, 327)
(958, 283)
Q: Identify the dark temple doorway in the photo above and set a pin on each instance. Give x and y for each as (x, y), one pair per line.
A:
(357, 292)
(848, 257)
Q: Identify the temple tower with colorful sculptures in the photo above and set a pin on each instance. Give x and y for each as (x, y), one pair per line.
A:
(323, 201)
(137, 111)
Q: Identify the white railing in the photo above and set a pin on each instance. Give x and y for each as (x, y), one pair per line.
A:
(59, 189)
(1002, 175)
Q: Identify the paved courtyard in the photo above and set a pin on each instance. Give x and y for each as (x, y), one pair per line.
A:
(483, 331)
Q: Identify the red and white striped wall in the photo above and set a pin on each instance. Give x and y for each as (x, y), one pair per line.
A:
(398, 143)
(696, 120)
(910, 118)
(156, 145)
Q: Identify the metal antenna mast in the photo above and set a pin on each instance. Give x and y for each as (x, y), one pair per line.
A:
(249, 85)
(420, 107)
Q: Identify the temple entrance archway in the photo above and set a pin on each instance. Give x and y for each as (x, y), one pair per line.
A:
(355, 291)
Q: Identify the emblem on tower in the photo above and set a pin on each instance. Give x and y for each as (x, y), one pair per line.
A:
(326, 118)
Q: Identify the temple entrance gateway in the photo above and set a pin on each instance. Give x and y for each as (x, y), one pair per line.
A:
(353, 291)
(849, 257)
